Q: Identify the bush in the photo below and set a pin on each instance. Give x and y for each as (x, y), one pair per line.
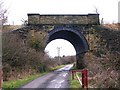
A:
(18, 57)
(104, 63)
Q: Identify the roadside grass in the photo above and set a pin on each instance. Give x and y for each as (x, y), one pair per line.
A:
(19, 82)
(73, 83)
(57, 67)
(10, 85)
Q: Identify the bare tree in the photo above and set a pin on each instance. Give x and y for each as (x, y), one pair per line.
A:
(96, 10)
(24, 22)
(3, 16)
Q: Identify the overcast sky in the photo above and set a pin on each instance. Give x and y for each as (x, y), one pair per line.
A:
(18, 9)
(66, 48)
(119, 12)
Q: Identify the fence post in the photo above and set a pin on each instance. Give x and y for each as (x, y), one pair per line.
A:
(84, 79)
(73, 75)
(1, 75)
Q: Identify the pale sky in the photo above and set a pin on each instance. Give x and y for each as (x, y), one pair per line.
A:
(18, 9)
(119, 12)
(66, 48)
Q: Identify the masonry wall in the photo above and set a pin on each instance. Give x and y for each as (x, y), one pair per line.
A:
(35, 19)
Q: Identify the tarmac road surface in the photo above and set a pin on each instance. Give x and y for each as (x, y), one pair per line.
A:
(55, 79)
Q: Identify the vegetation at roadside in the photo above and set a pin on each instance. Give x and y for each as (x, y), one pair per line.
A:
(103, 62)
(19, 82)
(74, 66)
(55, 68)
(74, 83)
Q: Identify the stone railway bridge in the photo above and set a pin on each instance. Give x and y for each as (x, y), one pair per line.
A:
(74, 28)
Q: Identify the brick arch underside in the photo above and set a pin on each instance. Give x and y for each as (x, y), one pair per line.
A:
(75, 37)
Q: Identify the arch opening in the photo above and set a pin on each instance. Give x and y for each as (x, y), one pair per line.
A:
(75, 37)
(66, 48)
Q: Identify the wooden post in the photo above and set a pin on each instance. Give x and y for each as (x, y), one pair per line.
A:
(84, 79)
(1, 78)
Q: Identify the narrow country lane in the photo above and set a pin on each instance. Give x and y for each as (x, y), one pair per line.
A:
(56, 79)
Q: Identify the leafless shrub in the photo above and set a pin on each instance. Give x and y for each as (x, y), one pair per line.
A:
(68, 59)
(104, 63)
(102, 71)
(3, 14)
(18, 57)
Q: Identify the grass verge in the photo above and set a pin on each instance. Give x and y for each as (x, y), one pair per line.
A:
(9, 85)
(73, 83)
(17, 83)
(57, 67)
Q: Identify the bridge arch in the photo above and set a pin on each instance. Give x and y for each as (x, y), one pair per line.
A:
(75, 37)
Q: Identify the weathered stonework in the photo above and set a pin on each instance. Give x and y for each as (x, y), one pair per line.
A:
(33, 19)
(36, 19)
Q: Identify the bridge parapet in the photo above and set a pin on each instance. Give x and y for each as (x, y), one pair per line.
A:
(89, 19)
